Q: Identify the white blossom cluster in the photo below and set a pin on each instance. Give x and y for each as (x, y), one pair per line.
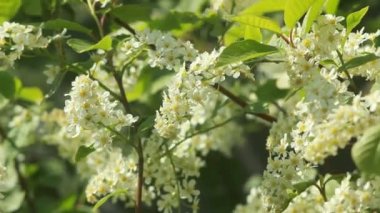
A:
(190, 97)
(326, 117)
(90, 107)
(164, 51)
(16, 38)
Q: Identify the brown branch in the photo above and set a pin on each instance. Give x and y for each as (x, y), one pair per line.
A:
(125, 25)
(139, 148)
(242, 103)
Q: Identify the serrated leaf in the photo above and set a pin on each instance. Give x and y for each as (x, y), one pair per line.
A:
(331, 6)
(257, 21)
(81, 46)
(366, 152)
(60, 24)
(82, 152)
(7, 85)
(355, 18)
(106, 198)
(314, 11)
(265, 6)
(294, 10)
(244, 50)
(270, 92)
(8, 8)
(358, 61)
(133, 12)
(31, 94)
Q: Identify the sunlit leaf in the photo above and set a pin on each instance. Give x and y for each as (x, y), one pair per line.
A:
(331, 6)
(355, 18)
(81, 46)
(244, 50)
(313, 13)
(32, 94)
(257, 21)
(8, 8)
(294, 10)
(265, 6)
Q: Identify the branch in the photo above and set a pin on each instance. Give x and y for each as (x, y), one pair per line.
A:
(242, 103)
(22, 180)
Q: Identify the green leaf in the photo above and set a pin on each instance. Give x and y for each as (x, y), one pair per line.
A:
(146, 126)
(7, 85)
(265, 6)
(366, 152)
(32, 7)
(31, 94)
(314, 11)
(133, 12)
(60, 24)
(107, 197)
(294, 10)
(257, 21)
(160, 83)
(253, 33)
(82, 152)
(233, 34)
(8, 8)
(331, 6)
(244, 50)
(81, 46)
(355, 18)
(269, 92)
(358, 61)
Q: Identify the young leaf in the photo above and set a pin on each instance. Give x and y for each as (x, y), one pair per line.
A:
(31, 94)
(358, 61)
(314, 11)
(60, 24)
(82, 152)
(253, 33)
(106, 198)
(8, 8)
(354, 19)
(269, 92)
(366, 152)
(81, 46)
(294, 10)
(257, 21)
(244, 50)
(265, 6)
(233, 34)
(331, 6)
(7, 85)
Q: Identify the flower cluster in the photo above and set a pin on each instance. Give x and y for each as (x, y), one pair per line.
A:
(16, 38)
(165, 51)
(89, 108)
(321, 118)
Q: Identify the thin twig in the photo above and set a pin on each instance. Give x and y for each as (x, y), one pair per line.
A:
(242, 103)
(22, 180)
